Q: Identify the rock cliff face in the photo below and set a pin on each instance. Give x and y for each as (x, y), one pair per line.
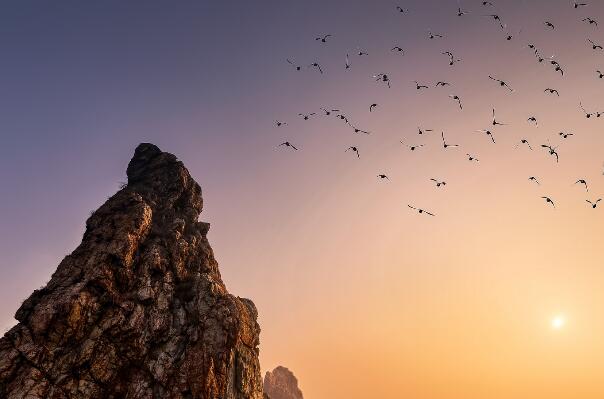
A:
(281, 384)
(139, 309)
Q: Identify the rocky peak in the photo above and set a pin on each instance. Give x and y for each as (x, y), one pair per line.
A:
(282, 384)
(138, 310)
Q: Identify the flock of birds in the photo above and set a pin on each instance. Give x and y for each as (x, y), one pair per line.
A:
(385, 79)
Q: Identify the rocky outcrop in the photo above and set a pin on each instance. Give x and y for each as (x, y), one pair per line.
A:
(139, 309)
(281, 384)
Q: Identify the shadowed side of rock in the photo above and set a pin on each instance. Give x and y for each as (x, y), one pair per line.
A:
(139, 309)
(281, 384)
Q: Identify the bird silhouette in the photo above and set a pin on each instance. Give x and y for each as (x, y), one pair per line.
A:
(590, 21)
(552, 151)
(595, 203)
(419, 86)
(398, 49)
(347, 65)
(600, 74)
(587, 114)
(533, 178)
(577, 5)
(524, 141)
(288, 144)
(595, 46)
(354, 149)
(565, 135)
(316, 65)
(323, 39)
(584, 182)
(494, 122)
(487, 3)
(452, 59)
(488, 133)
(461, 12)
(552, 91)
(297, 67)
(533, 119)
(456, 98)
(434, 35)
(383, 176)
(439, 183)
(361, 52)
(472, 158)
(402, 10)
(306, 116)
(412, 147)
(443, 84)
(445, 144)
(496, 18)
(548, 200)
(501, 83)
(279, 123)
(419, 210)
(383, 78)
(549, 25)
(421, 131)
(329, 111)
(357, 130)
(372, 106)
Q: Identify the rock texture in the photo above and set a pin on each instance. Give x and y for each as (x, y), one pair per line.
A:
(139, 309)
(282, 384)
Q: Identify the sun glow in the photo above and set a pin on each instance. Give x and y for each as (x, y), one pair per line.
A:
(558, 322)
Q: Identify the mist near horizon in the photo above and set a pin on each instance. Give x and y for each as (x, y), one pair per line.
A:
(498, 295)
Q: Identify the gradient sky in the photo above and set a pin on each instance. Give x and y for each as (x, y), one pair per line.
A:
(358, 295)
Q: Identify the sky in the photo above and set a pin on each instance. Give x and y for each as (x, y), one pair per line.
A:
(357, 294)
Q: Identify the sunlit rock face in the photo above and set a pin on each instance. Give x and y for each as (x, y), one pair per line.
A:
(139, 309)
(281, 384)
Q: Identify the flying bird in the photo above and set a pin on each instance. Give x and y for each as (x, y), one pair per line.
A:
(456, 98)
(298, 67)
(279, 123)
(587, 114)
(533, 178)
(577, 5)
(595, 203)
(533, 119)
(382, 77)
(600, 74)
(595, 46)
(306, 116)
(402, 10)
(329, 111)
(421, 131)
(472, 158)
(524, 141)
(552, 91)
(495, 123)
(357, 130)
(421, 210)
(434, 35)
(443, 84)
(552, 151)
(439, 183)
(412, 147)
(590, 21)
(565, 135)
(584, 182)
(316, 65)
(399, 49)
(488, 133)
(549, 25)
(452, 59)
(419, 86)
(461, 12)
(354, 149)
(383, 176)
(288, 144)
(323, 39)
(445, 144)
(361, 52)
(548, 200)
(501, 83)
(487, 3)
(372, 106)
(347, 65)
(496, 18)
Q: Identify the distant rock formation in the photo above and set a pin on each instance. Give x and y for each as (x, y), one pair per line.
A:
(139, 309)
(281, 384)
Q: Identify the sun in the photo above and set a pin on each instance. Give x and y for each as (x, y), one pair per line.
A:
(558, 322)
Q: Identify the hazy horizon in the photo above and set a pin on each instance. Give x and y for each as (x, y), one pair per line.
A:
(357, 295)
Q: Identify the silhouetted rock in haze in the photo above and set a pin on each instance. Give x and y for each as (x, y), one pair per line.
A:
(281, 384)
(139, 309)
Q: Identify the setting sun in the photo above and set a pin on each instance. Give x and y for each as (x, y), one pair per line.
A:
(558, 322)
